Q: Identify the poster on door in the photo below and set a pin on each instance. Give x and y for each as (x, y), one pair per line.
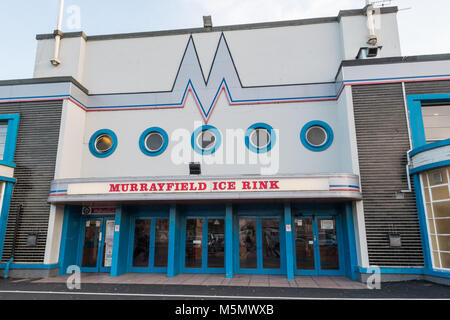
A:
(327, 224)
(109, 240)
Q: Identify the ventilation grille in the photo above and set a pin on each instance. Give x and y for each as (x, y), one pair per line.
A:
(382, 138)
(35, 157)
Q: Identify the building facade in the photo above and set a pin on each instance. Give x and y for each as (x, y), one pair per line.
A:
(291, 148)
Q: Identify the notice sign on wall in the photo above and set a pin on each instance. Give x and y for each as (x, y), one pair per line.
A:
(201, 186)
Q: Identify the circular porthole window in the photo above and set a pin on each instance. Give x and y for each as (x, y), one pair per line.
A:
(103, 143)
(153, 141)
(316, 135)
(260, 137)
(206, 139)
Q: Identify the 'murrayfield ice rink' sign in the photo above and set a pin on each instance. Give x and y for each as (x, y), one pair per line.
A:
(199, 186)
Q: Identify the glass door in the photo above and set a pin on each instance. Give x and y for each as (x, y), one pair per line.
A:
(316, 245)
(97, 244)
(259, 245)
(204, 249)
(150, 240)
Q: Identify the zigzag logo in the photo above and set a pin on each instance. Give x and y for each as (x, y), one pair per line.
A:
(222, 76)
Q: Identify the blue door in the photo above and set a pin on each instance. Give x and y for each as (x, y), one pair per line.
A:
(260, 247)
(204, 245)
(317, 245)
(149, 244)
(96, 244)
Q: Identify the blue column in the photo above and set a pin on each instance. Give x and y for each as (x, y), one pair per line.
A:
(68, 248)
(289, 240)
(351, 239)
(172, 261)
(120, 245)
(422, 222)
(4, 213)
(229, 241)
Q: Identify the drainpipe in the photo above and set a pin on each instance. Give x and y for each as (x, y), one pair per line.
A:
(13, 250)
(58, 33)
(371, 24)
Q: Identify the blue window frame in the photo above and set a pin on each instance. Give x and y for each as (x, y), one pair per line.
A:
(253, 130)
(216, 141)
(415, 114)
(146, 135)
(12, 123)
(326, 129)
(93, 140)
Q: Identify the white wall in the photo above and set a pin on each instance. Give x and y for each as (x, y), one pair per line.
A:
(294, 158)
(280, 55)
(70, 145)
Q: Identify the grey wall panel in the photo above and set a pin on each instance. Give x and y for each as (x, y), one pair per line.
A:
(382, 138)
(35, 158)
(428, 87)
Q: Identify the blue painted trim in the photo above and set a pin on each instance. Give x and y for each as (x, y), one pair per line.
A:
(198, 131)
(430, 166)
(273, 137)
(414, 103)
(352, 258)
(229, 241)
(411, 270)
(143, 147)
(289, 241)
(8, 179)
(437, 273)
(4, 213)
(323, 125)
(172, 260)
(11, 138)
(417, 271)
(29, 266)
(429, 146)
(120, 245)
(7, 164)
(95, 136)
(422, 222)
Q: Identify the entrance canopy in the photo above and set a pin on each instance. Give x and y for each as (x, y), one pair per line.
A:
(345, 186)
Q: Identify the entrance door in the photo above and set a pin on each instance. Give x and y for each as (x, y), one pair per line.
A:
(97, 245)
(150, 241)
(204, 249)
(316, 245)
(259, 245)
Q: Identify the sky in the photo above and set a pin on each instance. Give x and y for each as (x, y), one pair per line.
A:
(424, 25)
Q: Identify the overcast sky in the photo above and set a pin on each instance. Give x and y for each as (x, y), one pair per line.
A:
(424, 25)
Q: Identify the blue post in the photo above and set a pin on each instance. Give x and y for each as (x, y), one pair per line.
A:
(422, 223)
(172, 263)
(229, 241)
(120, 245)
(351, 240)
(68, 248)
(289, 240)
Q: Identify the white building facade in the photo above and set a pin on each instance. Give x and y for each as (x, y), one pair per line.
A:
(291, 148)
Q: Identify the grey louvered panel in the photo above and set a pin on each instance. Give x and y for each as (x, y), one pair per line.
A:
(428, 87)
(382, 138)
(35, 158)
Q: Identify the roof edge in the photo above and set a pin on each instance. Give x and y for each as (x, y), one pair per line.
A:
(249, 26)
(44, 80)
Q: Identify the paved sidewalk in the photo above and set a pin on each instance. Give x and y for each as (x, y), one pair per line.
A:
(320, 282)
